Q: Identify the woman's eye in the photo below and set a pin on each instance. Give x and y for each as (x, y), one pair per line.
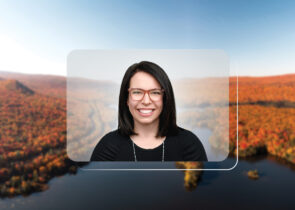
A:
(136, 92)
(156, 93)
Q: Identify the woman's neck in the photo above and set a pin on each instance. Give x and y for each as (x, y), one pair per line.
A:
(146, 137)
(146, 131)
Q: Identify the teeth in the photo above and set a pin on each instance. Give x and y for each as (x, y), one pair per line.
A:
(145, 111)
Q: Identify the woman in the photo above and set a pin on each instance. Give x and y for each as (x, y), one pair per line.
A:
(147, 129)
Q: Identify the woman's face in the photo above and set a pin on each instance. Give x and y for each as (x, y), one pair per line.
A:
(145, 111)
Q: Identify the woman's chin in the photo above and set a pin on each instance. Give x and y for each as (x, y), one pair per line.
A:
(146, 121)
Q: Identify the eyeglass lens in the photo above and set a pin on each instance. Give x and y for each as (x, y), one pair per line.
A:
(138, 94)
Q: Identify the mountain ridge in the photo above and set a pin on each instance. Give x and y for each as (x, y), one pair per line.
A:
(13, 85)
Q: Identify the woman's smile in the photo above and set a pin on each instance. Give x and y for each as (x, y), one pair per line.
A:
(145, 112)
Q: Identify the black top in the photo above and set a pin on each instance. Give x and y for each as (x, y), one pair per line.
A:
(183, 147)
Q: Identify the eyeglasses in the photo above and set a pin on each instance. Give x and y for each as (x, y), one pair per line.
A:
(137, 94)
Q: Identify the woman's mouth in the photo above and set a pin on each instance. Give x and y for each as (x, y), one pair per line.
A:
(145, 112)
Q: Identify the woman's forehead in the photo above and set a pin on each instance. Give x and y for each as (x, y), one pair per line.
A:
(143, 80)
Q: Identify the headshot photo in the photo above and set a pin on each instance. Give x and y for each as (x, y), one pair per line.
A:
(147, 126)
(147, 105)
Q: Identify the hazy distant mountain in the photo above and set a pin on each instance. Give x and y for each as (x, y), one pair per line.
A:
(12, 85)
(44, 84)
(56, 85)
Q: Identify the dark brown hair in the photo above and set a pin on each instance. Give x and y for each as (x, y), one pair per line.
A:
(167, 122)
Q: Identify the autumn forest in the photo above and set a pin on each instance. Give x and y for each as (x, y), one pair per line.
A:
(33, 127)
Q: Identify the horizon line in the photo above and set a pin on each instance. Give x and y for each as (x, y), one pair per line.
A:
(59, 75)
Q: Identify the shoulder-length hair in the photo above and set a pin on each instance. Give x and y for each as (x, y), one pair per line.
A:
(167, 118)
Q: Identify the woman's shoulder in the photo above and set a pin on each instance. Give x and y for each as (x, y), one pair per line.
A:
(108, 146)
(191, 145)
(113, 136)
(186, 134)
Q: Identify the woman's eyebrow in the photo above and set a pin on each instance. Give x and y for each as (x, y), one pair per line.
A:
(147, 89)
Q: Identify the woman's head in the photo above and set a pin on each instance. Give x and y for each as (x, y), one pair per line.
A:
(146, 96)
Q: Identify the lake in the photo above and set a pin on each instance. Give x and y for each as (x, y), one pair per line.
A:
(165, 190)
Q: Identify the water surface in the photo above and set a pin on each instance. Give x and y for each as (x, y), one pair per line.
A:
(165, 189)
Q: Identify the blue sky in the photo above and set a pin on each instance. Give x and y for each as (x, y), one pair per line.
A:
(258, 35)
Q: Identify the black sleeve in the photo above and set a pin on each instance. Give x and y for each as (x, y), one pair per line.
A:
(193, 149)
(106, 149)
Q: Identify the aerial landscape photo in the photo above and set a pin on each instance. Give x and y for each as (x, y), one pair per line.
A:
(33, 134)
(50, 121)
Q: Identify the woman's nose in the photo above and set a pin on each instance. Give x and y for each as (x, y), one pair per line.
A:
(146, 99)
